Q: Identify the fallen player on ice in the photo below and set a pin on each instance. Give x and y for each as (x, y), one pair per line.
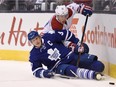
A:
(49, 50)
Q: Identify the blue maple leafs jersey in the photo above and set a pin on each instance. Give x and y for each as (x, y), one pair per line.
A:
(52, 49)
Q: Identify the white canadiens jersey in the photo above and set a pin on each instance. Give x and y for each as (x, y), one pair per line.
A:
(54, 24)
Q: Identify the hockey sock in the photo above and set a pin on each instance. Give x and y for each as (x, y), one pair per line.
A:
(70, 70)
(85, 73)
(80, 72)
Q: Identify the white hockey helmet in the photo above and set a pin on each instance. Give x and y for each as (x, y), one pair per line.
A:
(61, 10)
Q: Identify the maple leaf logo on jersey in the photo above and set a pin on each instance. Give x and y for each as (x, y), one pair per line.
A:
(54, 54)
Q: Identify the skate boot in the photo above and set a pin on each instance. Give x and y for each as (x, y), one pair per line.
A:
(98, 76)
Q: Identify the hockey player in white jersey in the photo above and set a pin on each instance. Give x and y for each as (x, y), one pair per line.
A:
(50, 51)
(63, 19)
(64, 15)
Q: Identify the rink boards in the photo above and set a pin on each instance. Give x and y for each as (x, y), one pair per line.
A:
(100, 35)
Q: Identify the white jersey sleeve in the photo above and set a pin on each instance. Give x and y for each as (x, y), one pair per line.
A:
(74, 7)
(47, 27)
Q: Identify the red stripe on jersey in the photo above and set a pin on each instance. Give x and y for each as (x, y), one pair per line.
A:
(56, 25)
(69, 12)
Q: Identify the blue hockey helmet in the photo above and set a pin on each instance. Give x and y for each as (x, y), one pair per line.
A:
(32, 35)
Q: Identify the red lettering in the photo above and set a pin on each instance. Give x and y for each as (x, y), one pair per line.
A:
(88, 33)
(37, 27)
(92, 37)
(17, 34)
(23, 37)
(98, 37)
(12, 32)
(2, 38)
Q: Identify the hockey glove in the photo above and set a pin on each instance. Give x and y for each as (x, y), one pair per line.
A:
(76, 48)
(81, 49)
(48, 74)
(71, 46)
(86, 10)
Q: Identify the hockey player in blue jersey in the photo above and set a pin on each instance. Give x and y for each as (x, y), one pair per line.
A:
(49, 50)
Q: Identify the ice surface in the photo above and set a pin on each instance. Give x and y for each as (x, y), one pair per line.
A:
(18, 74)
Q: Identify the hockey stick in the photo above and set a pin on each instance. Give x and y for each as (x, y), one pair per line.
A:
(78, 60)
(61, 76)
(55, 65)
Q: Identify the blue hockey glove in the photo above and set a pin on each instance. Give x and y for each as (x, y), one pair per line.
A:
(79, 49)
(48, 74)
(83, 49)
(86, 10)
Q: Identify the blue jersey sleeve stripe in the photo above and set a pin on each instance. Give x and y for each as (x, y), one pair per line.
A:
(69, 37)
(37, 69)
(67, 33)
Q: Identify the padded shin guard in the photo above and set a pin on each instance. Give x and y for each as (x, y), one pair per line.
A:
(66, 69)
(80, 72)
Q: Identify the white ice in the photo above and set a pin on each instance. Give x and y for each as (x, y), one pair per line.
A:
(18, 74)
